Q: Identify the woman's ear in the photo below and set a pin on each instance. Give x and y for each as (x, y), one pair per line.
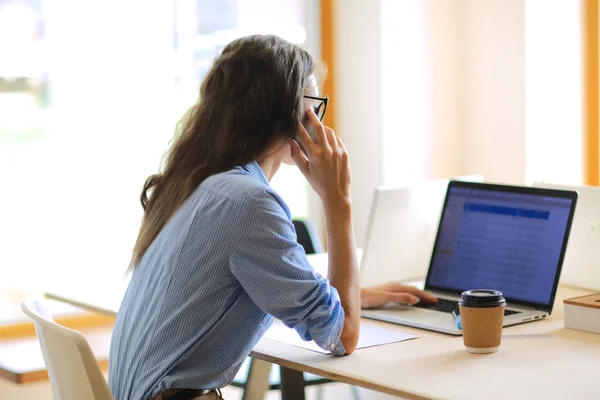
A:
(287, 154)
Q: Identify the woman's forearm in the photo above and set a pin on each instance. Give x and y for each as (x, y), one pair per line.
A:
(343, 266)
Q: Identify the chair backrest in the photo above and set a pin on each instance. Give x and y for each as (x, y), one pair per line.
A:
(307, 237)
(72, 368)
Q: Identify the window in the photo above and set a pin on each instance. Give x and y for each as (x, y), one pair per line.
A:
(88, 104)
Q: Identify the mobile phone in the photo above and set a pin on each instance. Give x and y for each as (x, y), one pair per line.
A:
(309, 128)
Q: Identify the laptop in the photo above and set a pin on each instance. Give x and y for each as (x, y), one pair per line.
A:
(401, 230)
(582, 260)
(506, 238)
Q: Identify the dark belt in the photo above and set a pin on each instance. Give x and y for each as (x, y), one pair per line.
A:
(185, 394)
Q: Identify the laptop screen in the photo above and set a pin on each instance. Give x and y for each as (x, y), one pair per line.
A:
(491, 237)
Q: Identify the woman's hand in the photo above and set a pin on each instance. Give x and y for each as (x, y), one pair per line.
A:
(325, 164)
(326, 167)
(393, 293)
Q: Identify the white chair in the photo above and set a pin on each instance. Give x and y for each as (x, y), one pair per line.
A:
(72, 368)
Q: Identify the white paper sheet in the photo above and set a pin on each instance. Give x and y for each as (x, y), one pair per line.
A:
(370, 335)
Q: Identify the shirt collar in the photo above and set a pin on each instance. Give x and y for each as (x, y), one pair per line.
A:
(254, 170)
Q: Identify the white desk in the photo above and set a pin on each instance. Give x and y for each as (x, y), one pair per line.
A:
(536, 360)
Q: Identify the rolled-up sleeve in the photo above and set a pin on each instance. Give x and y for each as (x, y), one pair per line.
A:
(272, 268)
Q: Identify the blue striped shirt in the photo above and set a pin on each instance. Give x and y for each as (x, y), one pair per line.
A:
(210, 285)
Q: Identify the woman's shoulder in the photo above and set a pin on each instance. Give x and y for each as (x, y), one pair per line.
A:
(236, 184)
(246, 191)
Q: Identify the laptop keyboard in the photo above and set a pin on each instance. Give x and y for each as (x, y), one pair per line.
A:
(447, 306)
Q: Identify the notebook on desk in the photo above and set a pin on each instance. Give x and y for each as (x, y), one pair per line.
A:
(507, 238)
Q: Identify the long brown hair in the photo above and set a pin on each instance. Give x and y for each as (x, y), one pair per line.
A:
(250, 100)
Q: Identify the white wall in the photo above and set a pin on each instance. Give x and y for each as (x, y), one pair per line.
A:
(491, 75)
(430, 89)
(396, 92)
(358, 99)
(553, 76)
(420, 111)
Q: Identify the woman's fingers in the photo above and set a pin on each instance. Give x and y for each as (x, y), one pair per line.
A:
(318, 127)
(304, 139)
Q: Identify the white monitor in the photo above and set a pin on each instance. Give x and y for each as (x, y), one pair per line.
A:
(401, 231)
(581, 266)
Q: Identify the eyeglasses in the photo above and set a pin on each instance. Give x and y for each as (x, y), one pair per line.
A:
(321, 108)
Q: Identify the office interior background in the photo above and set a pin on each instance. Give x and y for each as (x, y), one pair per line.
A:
(90, 92)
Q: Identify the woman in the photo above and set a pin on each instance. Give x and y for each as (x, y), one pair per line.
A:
(216, 258)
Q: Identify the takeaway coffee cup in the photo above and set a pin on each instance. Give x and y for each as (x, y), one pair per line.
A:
(482, 314)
